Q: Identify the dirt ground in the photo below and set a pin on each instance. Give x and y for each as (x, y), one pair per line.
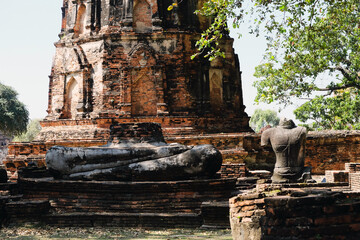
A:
(53, 233)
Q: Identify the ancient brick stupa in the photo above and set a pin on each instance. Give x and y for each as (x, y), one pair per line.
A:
(129, 61)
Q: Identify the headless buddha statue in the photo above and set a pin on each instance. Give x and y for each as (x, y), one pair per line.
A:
(288, 142)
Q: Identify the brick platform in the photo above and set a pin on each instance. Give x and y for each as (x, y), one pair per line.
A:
(302, 214)
(125, 204)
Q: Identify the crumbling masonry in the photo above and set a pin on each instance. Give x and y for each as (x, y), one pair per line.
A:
(122, 61)
(131, 60)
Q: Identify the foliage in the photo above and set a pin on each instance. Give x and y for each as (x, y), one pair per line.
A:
(312, 54)
(339, 112)
(262, 118)
(32, 130)
(219, 11)
(13, 114)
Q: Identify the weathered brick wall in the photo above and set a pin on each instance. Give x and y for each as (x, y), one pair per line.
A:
(174, 196)
(325, 150)
(330, 150)
(233, 170)
(21, 154)
(121, 204)
(302, 214)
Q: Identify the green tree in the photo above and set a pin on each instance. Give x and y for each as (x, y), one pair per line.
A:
(13, 114)
(262, 118)
(312, 54)
(33, 129)
(341, 111)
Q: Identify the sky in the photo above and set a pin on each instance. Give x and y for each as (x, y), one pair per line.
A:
(29, 30)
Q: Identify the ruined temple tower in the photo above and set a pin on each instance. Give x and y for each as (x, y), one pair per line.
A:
(120, 61)
(129, 60)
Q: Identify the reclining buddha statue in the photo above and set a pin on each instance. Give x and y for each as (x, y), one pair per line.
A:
(143, 156)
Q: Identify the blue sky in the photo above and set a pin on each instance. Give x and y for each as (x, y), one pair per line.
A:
(29, 29)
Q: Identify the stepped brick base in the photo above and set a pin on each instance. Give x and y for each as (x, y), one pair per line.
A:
(123, 204)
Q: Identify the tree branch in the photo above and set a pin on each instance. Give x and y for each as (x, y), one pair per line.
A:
(332, 89)
(345, 72)
(354, 83)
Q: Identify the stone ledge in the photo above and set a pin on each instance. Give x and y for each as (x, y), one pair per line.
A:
(333, 133)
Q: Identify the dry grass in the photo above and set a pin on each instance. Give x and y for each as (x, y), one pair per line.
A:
(53, 233)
